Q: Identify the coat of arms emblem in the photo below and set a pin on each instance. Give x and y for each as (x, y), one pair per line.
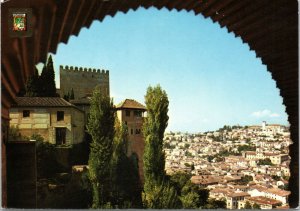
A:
(19, 22)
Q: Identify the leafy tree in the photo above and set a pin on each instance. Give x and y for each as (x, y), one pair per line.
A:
(78, 193)
(275, 177)
(245, 180)
(215, 204)
(154, 127)
(188, 154)
(266, 161)
(14, 134)
(193, 196)
(189, 200)
(186, 146)
(284, 187)
(158, 193)
(193, 167)
(101, 128)
(47, 165)
(256, 206)
(286, 177)
(248, 205)
(246, 148)
(179, 179)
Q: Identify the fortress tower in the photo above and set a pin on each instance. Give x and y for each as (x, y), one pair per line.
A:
(82, 81)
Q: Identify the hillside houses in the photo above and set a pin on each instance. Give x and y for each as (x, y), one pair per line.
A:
(240, 164)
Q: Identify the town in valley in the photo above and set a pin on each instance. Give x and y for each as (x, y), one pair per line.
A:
(239, 164)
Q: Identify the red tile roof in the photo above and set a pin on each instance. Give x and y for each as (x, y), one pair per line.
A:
(43, 102)
(278, 191)
(263, 200)
(129, 103)
(238, 194)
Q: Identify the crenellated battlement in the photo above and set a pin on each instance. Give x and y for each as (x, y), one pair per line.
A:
(82, 80)
(84, 70)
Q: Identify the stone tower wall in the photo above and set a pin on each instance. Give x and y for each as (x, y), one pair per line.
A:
(83, 81)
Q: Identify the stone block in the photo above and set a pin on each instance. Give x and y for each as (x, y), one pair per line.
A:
(14, 115)
(41, 121)
(40, 126)
(25, 126)
(39, 115)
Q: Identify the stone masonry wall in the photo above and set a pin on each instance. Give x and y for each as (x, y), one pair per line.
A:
(83, 81)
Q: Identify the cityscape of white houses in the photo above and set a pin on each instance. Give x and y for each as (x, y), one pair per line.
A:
(241, 165)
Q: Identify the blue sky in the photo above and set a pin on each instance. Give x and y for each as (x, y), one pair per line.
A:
(210, 76)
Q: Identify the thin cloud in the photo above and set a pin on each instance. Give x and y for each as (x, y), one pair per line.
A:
(264, 113)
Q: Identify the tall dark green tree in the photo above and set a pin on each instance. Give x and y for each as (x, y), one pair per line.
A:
(47, 80)
(101, 128)
(32, 85)
(157, 105)
(126, 191)
(43, 80)
(29, 88)
(158, 193)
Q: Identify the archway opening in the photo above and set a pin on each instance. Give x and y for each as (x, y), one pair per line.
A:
(235, 91)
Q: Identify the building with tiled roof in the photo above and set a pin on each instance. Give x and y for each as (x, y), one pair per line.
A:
(131, 104)
(131, 113)
(261, 201)
(233, 198)
(56, 120)
(41, 102)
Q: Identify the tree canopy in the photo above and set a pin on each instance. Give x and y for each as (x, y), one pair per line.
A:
(101, 128)
(42, 85)
(158, 192)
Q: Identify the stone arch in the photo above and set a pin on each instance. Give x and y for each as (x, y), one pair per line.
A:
(270, 27)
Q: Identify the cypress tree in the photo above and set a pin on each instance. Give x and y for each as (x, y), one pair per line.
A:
(47, 80)
(43, 83)
(154, 127)
(51, 88)
(158, 193)
(126, 192)
(32, 85)
(101, 128)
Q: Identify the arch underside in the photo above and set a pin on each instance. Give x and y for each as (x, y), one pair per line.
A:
(270, 27)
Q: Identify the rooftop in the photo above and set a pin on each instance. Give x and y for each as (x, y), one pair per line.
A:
(263, 200)
(278, 191)
(238, 194)
(130, 103)
(41, 102)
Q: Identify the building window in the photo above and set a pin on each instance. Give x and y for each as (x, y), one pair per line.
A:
(60, 134)
(125, 122)
(137, 131)
(26, 113)
(127, 113)
(60, 116)
(131, 131)
(138, 113)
